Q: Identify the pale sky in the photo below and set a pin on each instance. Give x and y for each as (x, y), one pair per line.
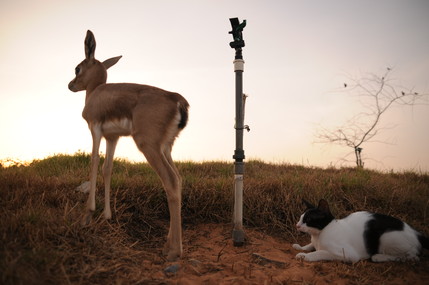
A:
(296, 56)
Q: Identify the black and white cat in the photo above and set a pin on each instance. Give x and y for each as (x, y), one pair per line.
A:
(360, 235)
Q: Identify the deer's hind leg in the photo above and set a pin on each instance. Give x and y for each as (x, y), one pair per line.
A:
(167, 154)
(172, 186)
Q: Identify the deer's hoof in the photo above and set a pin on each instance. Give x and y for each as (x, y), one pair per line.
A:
(87, 218)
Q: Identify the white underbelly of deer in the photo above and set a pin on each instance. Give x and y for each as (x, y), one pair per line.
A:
(120, 127)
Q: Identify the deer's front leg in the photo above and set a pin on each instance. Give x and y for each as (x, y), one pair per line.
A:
(107, 174)
(95, 159)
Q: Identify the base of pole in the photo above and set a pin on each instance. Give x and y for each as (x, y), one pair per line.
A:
(238, 237)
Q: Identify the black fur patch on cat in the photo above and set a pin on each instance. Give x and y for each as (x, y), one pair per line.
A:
(377, 226)
(424, 241)
(318, 217)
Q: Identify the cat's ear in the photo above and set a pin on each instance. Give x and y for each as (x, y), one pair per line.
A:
(308, 204)
(323, 206)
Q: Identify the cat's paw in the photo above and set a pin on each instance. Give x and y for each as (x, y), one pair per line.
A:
(301, 256)
(413, 259)
(383, 258)
(297, 246)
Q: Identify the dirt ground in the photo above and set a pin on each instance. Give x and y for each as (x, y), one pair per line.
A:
(210, 258)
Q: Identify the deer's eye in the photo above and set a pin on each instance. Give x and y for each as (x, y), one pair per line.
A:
(77, 70)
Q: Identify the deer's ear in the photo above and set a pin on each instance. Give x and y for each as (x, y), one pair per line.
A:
(89, 45)
(111, 61)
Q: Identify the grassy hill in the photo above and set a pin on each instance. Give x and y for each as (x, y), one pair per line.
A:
(42, 242)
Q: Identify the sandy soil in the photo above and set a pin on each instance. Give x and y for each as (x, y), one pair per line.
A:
(210, 258)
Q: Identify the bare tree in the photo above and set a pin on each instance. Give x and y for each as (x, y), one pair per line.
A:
(378, 94)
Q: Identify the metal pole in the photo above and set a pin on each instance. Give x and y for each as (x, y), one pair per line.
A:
(238, 235)
(238, 232)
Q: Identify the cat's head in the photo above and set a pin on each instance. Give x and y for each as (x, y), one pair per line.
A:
(314, 218)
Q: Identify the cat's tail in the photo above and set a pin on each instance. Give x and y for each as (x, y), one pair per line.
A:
(424, 241)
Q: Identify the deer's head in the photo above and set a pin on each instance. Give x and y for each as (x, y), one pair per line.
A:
(90, 72)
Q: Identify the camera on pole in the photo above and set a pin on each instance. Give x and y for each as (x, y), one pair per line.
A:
(237, 33)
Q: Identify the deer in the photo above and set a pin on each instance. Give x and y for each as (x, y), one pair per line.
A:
(153, 117)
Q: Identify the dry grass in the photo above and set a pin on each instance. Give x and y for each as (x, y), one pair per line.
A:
(42, 241)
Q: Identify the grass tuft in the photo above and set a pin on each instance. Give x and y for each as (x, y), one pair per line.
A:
(42, 242)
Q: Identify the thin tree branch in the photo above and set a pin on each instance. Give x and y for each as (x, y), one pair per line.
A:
(379, 95)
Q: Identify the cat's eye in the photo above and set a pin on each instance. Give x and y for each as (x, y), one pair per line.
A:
(308, 219)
